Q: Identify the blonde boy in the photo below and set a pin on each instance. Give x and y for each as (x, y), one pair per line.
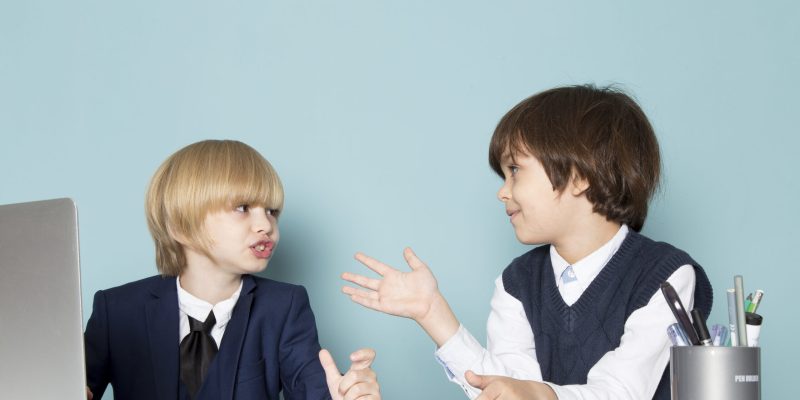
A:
(207, 328)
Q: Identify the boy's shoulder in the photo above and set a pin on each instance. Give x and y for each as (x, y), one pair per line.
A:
(529, 259)
(263, 285)
(270, 290)
(141, 286)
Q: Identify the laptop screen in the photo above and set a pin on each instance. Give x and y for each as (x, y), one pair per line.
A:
(41, 327)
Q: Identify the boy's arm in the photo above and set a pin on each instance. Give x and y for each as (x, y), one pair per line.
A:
(96, 344)
(631, 371)
(301, 373)
(511, 348)
(413, 294)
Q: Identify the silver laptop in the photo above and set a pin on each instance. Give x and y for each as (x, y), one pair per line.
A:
(41, 327)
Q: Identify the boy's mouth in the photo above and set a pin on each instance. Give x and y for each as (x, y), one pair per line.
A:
(263, 249)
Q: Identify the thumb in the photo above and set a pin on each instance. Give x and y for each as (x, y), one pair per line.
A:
(362, 358)
(412, 260)
(478, 381)
(332, 374)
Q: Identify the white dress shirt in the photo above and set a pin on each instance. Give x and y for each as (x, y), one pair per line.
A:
(199, 309)
(631, 371)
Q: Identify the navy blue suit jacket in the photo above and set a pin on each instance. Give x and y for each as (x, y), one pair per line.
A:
(269, 345)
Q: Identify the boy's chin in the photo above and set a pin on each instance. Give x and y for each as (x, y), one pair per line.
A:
(528, 240)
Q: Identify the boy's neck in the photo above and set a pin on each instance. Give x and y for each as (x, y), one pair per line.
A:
(586, 239)
(209, 284)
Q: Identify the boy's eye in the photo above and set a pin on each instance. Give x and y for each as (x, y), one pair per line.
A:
(243, 208)
(513, 169)
(272, 211)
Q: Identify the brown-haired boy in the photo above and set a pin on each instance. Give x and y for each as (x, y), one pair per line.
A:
(580, 317)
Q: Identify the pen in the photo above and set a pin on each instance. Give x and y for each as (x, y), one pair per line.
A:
(756, 301)
(720, 335)
(675, 305)
(676, 335)
(702, 329)
(741, 331)
(732, 316)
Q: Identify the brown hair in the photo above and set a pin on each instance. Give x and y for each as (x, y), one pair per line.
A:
(598, 134)
(199, 178)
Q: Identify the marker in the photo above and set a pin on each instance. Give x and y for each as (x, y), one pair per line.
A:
(720, 335)
(732, 316)
(674, 303)
(753, 328)
(741, 331)
(701, 328)
(756, 301)
(676, 335)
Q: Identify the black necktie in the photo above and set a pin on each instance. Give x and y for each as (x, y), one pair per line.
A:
(198, 349)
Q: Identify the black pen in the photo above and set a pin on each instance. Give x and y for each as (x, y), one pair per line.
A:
(702, 329)
(674, 303)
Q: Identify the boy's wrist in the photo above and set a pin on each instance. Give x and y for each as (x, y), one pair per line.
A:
(439, 322)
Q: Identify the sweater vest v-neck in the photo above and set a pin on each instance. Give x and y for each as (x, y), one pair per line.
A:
(571, 339)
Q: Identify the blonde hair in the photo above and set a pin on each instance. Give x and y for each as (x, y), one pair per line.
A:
(200, 178)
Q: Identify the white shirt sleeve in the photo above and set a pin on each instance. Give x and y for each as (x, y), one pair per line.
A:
(634, 369)
(511, 350)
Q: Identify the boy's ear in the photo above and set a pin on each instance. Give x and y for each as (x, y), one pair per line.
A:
(180, 238)
(578, 185)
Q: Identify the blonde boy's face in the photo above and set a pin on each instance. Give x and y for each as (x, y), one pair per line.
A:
(243, 238)
(538, 213)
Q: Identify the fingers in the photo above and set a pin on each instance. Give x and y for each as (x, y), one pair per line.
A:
(475, 380)
(369, 294)
(483, 382)
(373, 264)
(362, 358)
(366, 299)
(363, 391)
(361, 280)
(413, 261)
(332, 375)
(358, 382)
(89, 394)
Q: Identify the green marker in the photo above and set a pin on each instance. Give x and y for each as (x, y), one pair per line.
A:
(751, 308)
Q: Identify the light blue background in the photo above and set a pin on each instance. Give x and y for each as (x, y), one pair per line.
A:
(378, 114)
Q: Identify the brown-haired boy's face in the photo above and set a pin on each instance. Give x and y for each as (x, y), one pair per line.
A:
(538, 213)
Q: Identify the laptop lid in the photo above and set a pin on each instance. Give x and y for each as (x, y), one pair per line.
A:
(41, 325)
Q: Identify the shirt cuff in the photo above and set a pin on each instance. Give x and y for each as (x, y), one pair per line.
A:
(457, 355)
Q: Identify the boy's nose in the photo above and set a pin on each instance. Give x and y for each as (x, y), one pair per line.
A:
(504, 194)
(262, 222)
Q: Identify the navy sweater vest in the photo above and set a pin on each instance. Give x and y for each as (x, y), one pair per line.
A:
(571, 339)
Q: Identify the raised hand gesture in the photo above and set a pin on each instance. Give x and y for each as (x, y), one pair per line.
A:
(414, 294)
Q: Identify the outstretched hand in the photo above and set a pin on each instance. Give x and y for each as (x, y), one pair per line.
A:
(360, 382)
(405, 294)
(505, 388)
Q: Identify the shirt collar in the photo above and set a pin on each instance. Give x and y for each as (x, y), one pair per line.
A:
(587, 268)
(199, 309)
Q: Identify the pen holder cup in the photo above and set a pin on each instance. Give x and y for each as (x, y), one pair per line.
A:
(715, 373)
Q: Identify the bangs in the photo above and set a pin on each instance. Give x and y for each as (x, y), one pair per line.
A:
(508, 139)
(239, 175)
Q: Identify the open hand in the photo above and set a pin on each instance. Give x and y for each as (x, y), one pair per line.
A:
(405, 294)
(505, 388)
(360, 382)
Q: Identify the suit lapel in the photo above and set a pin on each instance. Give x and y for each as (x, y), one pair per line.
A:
(233, 340)
(162, 332)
